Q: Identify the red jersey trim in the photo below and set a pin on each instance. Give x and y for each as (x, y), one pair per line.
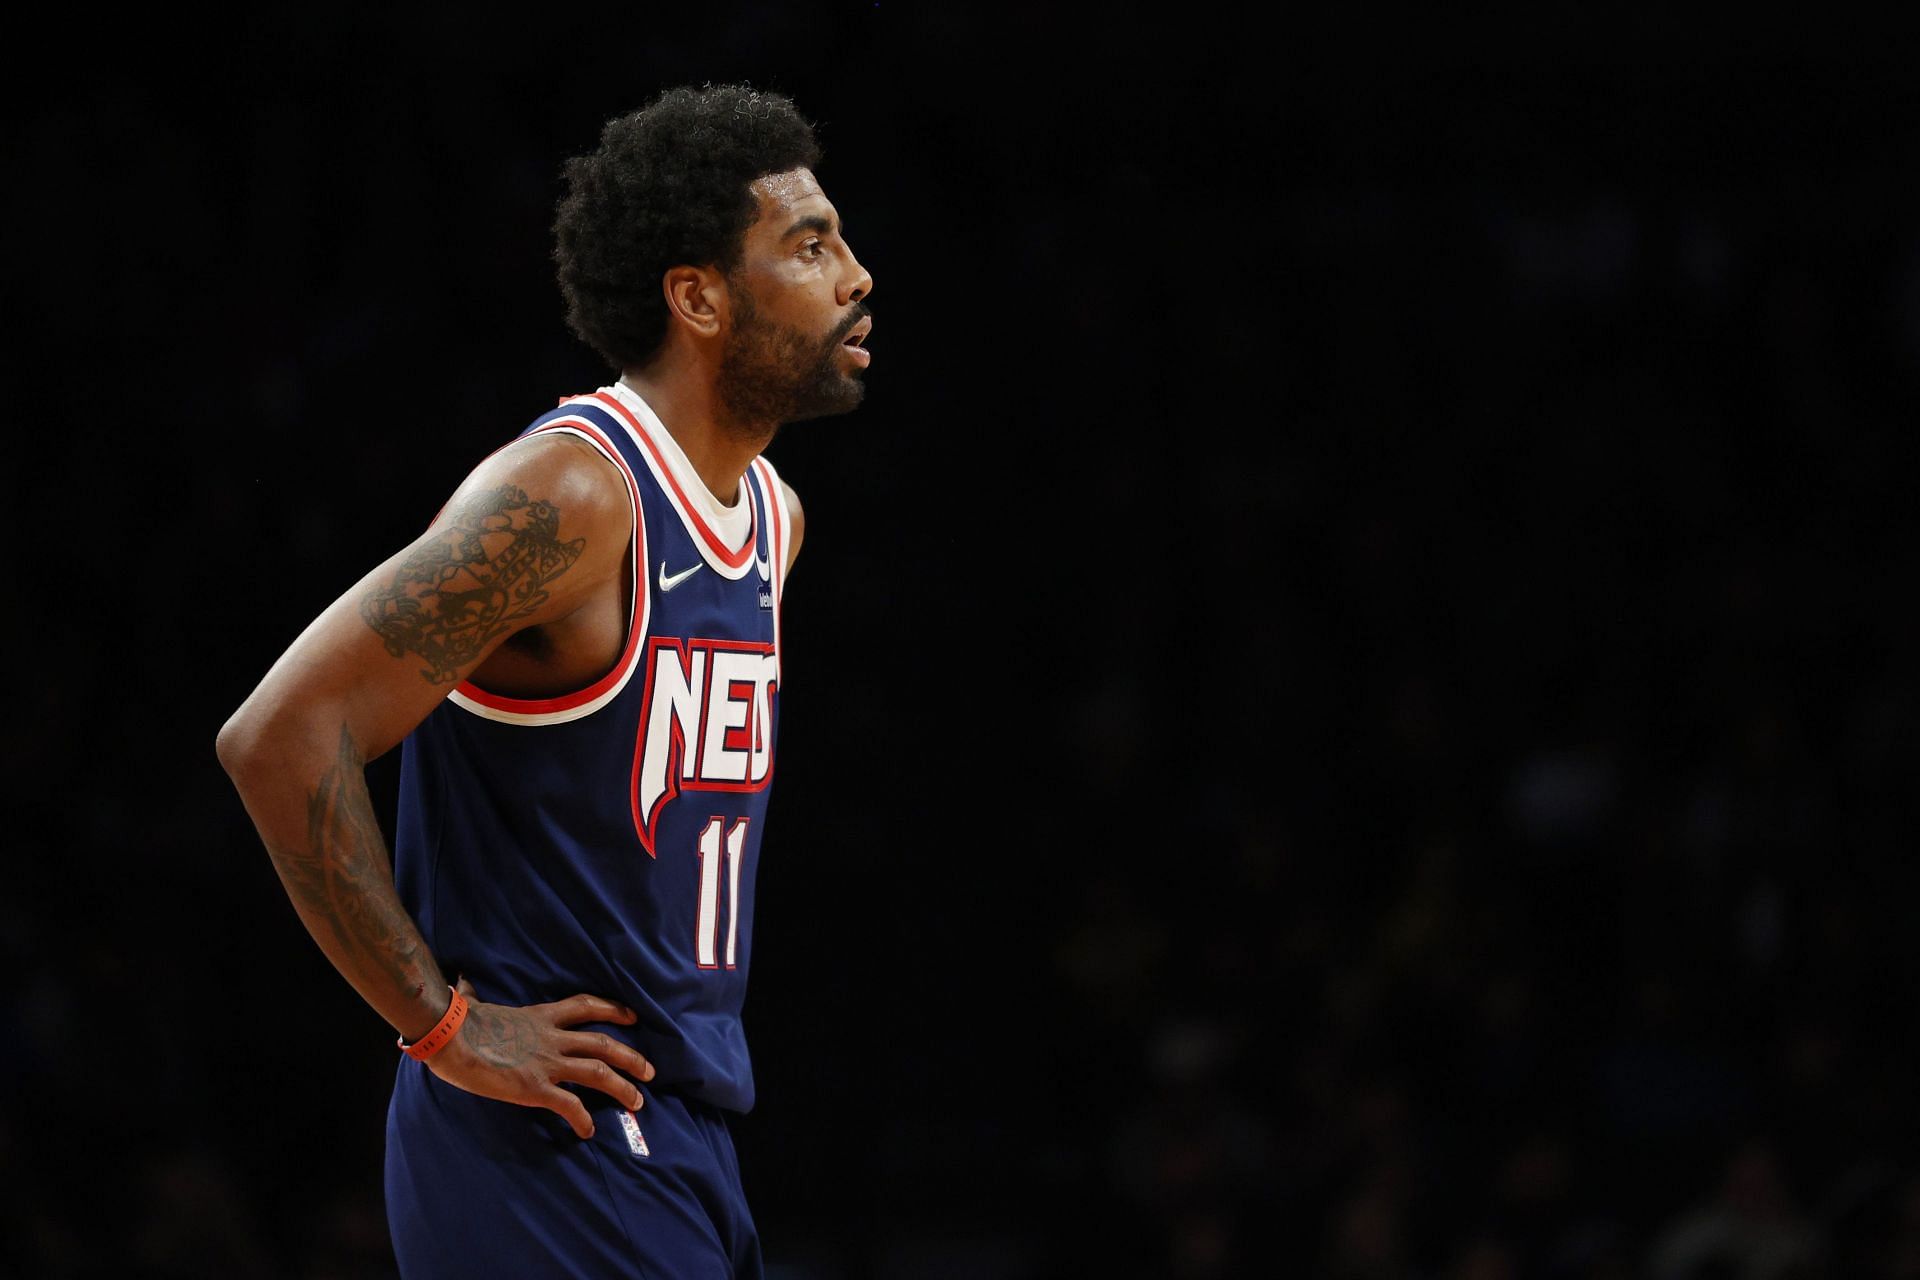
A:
(732, 559)
(637, 613)
(776, 523)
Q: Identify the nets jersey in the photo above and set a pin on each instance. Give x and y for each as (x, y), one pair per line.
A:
(606, 841)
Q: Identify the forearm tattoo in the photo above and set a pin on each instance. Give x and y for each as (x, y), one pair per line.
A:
(465, 584)
(342, 882)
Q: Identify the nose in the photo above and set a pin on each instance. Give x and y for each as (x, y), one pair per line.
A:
(857, 285)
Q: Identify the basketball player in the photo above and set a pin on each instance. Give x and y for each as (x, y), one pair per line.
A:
(583, 656)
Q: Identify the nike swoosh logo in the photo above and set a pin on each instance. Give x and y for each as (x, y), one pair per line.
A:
(667, 584)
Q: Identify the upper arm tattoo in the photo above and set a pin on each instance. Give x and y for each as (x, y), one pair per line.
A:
(469, 581)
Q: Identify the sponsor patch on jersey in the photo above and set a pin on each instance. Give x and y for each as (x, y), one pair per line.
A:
(636, 1141)
(766, 598)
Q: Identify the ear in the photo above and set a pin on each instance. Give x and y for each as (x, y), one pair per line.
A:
(696, 297)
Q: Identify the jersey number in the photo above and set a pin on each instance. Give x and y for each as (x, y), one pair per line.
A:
(707, 932)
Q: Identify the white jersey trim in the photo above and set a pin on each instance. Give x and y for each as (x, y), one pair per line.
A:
(677, 480)
(637, 613)
(777, 544)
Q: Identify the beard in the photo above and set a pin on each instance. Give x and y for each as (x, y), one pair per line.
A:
(770, 374)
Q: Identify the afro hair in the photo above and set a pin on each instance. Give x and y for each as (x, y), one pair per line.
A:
(667, 187)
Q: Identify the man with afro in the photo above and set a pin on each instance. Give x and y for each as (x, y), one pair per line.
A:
(581, 661)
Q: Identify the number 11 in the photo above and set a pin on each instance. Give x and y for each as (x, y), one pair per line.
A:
(707, 931)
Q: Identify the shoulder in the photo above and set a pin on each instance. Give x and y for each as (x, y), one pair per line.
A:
(584, 489)
(549, 504)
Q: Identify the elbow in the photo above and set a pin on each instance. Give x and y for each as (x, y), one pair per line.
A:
(236, 743)
(252, 734)
(268, 736)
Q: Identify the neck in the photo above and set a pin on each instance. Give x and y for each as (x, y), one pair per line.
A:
(690, 409)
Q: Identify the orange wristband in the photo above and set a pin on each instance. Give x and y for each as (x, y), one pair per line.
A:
(436, 1040)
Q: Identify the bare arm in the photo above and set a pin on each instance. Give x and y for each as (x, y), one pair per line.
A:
(530, 537)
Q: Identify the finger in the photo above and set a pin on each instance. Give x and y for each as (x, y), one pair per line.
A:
(577, 1009)
(568, 1108)
(596, 1074)
(593, 1044)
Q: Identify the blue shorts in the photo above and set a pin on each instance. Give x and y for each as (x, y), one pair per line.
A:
(483, 1188)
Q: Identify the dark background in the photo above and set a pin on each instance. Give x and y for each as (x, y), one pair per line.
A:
(1352, 697)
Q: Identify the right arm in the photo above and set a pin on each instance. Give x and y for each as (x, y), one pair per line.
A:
(530, 537)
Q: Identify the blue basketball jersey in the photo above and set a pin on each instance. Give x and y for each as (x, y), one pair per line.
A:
(606, 841)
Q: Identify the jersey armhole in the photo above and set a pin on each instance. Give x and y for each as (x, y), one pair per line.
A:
(582, 702)
(780, 531)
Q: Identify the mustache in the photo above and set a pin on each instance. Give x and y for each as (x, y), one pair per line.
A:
(859, 312)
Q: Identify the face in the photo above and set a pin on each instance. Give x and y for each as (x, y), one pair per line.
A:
(795, 347)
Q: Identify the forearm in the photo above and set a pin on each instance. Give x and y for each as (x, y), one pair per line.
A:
(311, 806)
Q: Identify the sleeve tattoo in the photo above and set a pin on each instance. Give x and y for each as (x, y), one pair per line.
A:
(341, 880)
(470, 581)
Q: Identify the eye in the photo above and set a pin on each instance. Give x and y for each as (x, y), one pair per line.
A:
(813, 248)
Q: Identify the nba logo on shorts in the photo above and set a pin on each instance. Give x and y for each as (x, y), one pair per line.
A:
(635, 1142)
